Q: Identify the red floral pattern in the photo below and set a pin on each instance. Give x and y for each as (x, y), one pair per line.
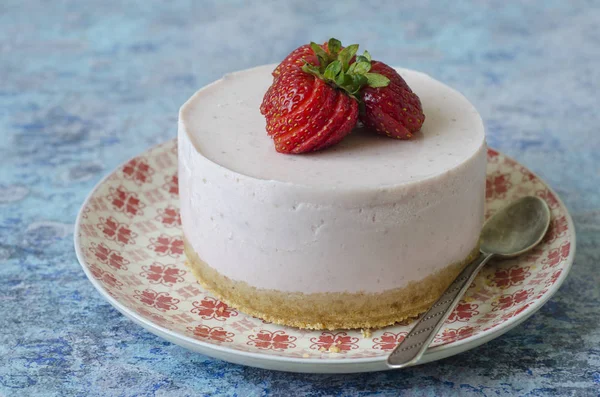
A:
(558, 228)
(109, 257)
(450, 335)
(507, 301)
(166, 245)
(172, 184)
(159, 300)
(541, 293)
(138, 170)
(527, 176)
(556, 255)
(108, 279)
(85, 211)
(463, 312)
(548, 197)
(211, 308)
(493, 156)
(497, 185)
(535, 254)
(554, 278)
(340, 340)
(512, 164)
(157, 318)
(116, 231)
(509, 315)
(487, 318)
(267, 340)
(158, 273)
(217, 334)
(169, 217)
(125, 201)
(513, 276)
(389, 340)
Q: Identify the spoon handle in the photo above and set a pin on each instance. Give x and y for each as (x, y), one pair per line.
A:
(410, 350)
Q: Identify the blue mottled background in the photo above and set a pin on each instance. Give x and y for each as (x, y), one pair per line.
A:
(84, 85)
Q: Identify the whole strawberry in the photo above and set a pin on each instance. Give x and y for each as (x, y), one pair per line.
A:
(313, 101)
(394, 110)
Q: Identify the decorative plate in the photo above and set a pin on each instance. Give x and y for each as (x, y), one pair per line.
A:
(128, 241)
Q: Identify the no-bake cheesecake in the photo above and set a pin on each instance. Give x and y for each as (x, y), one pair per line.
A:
(364, 234)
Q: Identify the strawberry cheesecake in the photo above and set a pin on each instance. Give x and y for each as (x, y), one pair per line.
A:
(366, 233)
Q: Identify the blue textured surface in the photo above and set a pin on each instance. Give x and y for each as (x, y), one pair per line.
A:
(86, 85)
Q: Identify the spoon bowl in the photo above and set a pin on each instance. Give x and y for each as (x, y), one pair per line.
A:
(516, 228)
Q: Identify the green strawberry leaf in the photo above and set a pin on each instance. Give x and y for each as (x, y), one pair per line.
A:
(335, 68)
(352, 68)
(332, 70)
(342, 79)
(318, 50)
(352, 48)
(321, 54)
(377, 80)
(334, 46)
(361, 67)
(346, 55)
(358, 81)
(312, 69)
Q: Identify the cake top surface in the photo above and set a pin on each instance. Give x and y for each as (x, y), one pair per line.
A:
(224, 123)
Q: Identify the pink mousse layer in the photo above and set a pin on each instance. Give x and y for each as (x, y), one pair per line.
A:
(370, 214)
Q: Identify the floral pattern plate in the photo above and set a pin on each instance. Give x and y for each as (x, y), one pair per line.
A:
(128, 241)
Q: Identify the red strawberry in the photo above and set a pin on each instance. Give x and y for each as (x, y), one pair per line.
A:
(313, 101)
(300, 56)
(296, 59)
(393, 110)
(305, 114)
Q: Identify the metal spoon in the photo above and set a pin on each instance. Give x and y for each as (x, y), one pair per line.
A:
(512, 231)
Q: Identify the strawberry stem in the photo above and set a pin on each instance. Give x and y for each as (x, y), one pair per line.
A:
(336, 69)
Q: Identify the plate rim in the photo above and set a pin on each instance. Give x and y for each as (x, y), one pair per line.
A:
(432, 354)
